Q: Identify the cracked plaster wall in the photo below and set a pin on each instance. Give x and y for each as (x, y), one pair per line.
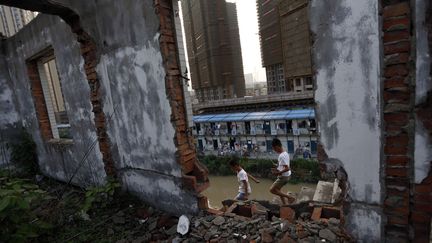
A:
(346, 57)
(60, 163)
(423, 142)
(133, 86)
(132, 78)
(9, 118)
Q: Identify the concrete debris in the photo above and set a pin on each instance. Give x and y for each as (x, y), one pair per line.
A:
(219, 220)
(306, 194)
(327, 192)
(252, 222)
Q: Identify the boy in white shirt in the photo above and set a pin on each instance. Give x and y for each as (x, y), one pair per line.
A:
(242, 177)
(283, 172)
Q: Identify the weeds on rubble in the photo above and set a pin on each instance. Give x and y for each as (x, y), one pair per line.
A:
(100, 195)
(23, 153)
(18, 199)
(305, 170)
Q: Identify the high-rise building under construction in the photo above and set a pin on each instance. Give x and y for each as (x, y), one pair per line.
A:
(285, 45)
(213, 47)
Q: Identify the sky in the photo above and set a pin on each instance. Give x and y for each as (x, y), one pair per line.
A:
(249, 38)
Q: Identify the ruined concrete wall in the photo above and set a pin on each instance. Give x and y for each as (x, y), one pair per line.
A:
(9, 118)
(421, 193)
(133, 89)
(59, 161)
(130, 74)
(346, 57)
(423, 142)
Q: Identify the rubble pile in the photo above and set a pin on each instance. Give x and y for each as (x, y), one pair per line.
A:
(262, 226)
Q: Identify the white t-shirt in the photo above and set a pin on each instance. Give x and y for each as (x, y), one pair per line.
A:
(242, 176)
(284, 159)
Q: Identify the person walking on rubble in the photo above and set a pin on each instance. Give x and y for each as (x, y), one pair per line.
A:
(282, 171)
(242, 177)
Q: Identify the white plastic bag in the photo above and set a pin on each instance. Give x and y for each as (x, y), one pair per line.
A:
(183, 225)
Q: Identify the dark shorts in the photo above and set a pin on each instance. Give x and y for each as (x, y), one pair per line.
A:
(281, 181)
(241, 196)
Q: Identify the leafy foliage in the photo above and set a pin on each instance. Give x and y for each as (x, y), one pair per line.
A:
(18, 198)
(305, 170)
(23, 153)
(100, 195)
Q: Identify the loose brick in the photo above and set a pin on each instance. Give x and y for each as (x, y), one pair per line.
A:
(287, 213)
(316, 214)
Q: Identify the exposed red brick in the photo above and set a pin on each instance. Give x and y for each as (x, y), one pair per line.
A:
(39, 100)
(395, 10)
(394, 36)
(396, 70)
(196, 178)
(396, 118)
(399, 47)
(398, 58)
(425, 198)
(203, 202)
(396, 24)
(399, 220)
(423, 188)
(423, 207)
(420, 217)
(390, 150)
(397, 172)
(402, 184)
(400, 140)
(397, 160)
(287, 213)
(316, 214)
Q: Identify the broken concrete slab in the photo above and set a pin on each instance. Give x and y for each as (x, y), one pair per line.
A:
(327, 192)
(305, 194)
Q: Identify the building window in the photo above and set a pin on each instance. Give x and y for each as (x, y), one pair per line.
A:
(48, 96)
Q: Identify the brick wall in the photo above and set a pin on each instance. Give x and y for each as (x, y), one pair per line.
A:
(194, 174)
(39, 100)
(398, 131)
(407, 205)
(90, 56)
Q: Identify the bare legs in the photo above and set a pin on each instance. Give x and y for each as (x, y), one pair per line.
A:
(276, 190)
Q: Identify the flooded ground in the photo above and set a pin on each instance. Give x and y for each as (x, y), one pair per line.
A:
(226, 187)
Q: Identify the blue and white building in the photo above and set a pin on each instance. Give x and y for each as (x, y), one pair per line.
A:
(254, 131)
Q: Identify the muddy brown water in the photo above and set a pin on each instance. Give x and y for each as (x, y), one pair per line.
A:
(226, 187)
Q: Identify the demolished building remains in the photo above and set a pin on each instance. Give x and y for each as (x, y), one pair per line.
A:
(118, 108)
